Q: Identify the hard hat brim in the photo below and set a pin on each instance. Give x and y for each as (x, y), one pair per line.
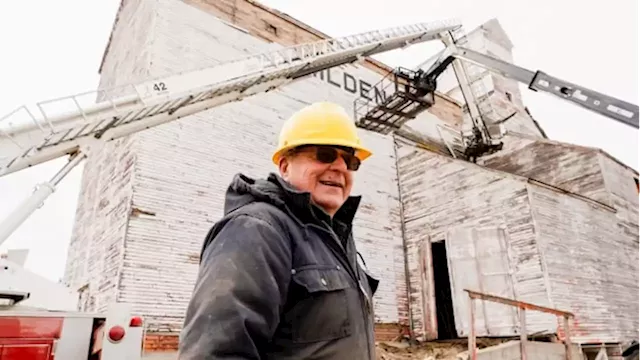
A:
(361, 152)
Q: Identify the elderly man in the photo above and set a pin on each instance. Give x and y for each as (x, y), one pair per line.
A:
(632, 351)
(279, 277)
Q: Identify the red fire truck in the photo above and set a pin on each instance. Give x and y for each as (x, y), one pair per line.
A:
(39, 321)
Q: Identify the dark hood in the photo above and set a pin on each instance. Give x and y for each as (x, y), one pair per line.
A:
(275, 190)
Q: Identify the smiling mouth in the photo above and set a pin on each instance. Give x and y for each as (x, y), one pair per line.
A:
(331, 183)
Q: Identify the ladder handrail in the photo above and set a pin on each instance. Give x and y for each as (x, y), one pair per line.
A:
(156, 101)
(270, 57)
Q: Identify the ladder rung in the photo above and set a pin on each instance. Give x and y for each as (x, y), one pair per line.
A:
(144, 100)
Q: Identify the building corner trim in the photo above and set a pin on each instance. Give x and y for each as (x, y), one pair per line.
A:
(405, 254)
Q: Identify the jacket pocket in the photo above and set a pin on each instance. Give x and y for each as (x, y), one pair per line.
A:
(322, 312)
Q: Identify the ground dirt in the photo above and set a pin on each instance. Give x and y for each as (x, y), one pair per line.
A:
(432, 350)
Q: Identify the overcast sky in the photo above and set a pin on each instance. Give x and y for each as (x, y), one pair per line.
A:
(52, 49)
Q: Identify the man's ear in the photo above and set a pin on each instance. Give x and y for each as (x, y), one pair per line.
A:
(283, 166)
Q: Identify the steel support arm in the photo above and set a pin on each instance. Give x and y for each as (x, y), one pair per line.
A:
(35, 201)
(613, 108)
(465, 86)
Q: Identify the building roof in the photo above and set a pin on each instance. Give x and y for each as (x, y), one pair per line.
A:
(575, 146)
(515, 177)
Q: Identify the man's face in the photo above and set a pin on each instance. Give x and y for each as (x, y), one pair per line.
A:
(328, 183)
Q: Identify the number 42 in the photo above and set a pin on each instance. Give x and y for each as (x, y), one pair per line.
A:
(159, 86)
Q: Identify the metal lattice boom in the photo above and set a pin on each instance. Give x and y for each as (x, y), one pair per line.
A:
(155, 102)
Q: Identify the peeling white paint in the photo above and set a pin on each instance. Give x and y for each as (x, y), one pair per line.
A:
(181, 171)
(564, 251)
(147, 201)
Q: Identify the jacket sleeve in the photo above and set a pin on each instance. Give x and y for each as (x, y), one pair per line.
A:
(241, 287)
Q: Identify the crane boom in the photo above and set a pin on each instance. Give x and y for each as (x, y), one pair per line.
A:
(414, 92)
(602, 104)
(155, 102)
(159, 101)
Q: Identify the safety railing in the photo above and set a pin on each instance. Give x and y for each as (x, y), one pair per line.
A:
(523, 306)
(395, 99)
(57, 127)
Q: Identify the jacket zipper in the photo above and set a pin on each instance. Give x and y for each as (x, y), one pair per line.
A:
(366, 312)
(367, 308)
(339, 251)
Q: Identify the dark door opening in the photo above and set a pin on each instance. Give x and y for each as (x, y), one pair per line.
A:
(442, 286)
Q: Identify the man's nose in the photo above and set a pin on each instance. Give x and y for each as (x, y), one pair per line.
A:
(339, 164)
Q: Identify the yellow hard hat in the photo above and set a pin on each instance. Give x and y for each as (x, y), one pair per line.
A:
(321, 123)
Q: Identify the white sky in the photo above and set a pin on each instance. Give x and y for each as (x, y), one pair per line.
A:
(52, 49)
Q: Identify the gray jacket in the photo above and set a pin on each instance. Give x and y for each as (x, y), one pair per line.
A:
(279, 279)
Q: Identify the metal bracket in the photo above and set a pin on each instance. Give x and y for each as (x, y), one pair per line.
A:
(465, 87)
(36, 200)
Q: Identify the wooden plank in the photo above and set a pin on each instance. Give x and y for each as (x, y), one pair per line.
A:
(472, 329)
(567, 337)
(520, 304)
(573, 169)
(523, 333)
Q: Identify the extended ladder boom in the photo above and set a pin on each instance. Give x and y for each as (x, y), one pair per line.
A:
(159, 101)
(156, 102)
(608, 106)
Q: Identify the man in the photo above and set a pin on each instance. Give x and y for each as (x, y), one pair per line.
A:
(279, 277)
(632, 351)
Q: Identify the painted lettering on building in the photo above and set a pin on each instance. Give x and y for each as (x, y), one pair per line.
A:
(353, 85)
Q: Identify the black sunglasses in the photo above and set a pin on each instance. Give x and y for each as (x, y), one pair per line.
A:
(329, 154)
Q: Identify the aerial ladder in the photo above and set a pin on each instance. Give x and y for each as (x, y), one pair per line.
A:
(409, 86)
(55, 134)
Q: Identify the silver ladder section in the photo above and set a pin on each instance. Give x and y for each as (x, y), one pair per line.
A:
(155, 102)
(613, 108)
(616, 109)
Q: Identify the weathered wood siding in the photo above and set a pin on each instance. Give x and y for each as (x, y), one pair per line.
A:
(592, 262)
(505, 105)
(565, 251)
(572, 168)
(181, 170)
(273, 26)
(95, 255)
(479, 260)
(623, 192)
(512, 143)
(440, 193)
